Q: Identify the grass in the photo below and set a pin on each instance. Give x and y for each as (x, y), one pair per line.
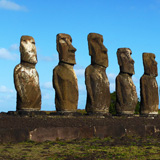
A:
(91, 149)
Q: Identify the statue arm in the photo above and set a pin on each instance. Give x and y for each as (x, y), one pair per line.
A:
(88, 86)
(119, 96)
(18, 86)
(143, 91)
(56, 84)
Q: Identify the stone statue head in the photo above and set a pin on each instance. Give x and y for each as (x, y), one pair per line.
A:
(97, 50)
(125, 60)
(65, 48)
(150, 65)
(28, 50)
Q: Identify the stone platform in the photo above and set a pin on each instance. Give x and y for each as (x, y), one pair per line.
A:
(42, 126)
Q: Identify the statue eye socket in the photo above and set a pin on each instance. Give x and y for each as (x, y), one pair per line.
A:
(94, 39)
(62, 40)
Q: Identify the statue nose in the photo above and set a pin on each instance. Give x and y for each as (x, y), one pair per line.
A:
(104, 49)
(154, 62)
(72, 49)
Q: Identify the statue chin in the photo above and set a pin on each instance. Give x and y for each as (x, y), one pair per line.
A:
(105, 65)
(33, 61)
(30, 60)
(69, 61)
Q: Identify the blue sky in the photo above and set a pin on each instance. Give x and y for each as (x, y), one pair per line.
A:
(123, 23)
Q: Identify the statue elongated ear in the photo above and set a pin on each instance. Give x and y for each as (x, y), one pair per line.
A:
(119, 57)
(57, 42)
(144, 59)
(20, 48)
(90, 49)
(89, 44)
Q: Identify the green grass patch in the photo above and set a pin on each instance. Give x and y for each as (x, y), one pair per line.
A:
(96, 149)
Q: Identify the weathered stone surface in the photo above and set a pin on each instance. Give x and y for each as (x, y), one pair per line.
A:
(66, 133)
(150, 129)
(41, 128)
(109, 131)
(149, 87)
(126, 96)
(97, 84)
(136, 130)
(64, 77)
(26, 78)
(8, 135)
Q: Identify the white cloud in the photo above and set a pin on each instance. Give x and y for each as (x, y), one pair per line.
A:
(81, 87)
(5, 54)
(47, 85)
(14, 47)
(135, 80)
(4, 89)
(79, 72)
(5, 4)
(112, 87)
(111, 77)
(48, 58)
(47, 96)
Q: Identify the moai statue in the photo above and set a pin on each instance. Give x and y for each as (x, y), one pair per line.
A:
(148, 84)
(64, 77)
(126, 96)
(26, 78)
(97, 84)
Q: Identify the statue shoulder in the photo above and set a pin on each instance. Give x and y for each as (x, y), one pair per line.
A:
(17, 68)
(89, 68)
(56, 68)
(118, 77)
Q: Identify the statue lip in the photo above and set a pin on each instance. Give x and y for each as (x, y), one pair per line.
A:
(151, 74)
(72, 52)
(64, 62)
(130, 74)
(98, 65)
(104, 51)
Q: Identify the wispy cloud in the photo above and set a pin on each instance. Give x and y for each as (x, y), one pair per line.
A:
(111, 77)
(47, 85)
(112, 87)
(82, 87)
(4, 89)
(6, 54)
(8, 5)
(54, 57)
(79, 72)
(47, 96)
(135, 79)
(14, 47)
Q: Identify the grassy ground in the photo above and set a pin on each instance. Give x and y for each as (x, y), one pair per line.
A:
(89, 149)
